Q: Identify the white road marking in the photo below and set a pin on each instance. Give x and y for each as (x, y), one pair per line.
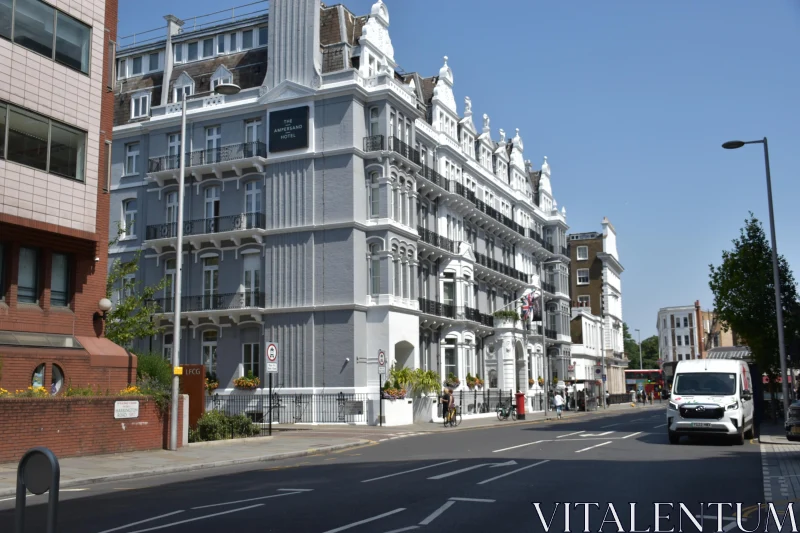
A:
(595, 446)
(409, 528)
(409, 471)
(366, 521)
(570, 434)
(631, 435)
(612, 425)
(295, 490)
(518, 446)
(199, 518)
(141, 522)
(437, 513)
(638, 420)
(513, 472)
(479, 500)
(661, 426)
(597, 434)
(71, 490)
(490, 465)
(8, 499)
(247, 500)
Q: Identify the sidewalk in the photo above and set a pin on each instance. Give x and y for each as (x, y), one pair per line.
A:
(780, 462)
(287, 442)
(101, 468)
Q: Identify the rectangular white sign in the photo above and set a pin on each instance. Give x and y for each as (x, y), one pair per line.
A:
(272, 367)
(126, 410)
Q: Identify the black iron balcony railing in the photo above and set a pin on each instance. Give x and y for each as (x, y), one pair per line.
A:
(549, 247)
(222, 154)
(373, 144)
(550, 334)
(549, 287)
(205, 226)
(429, 307)
(565, 251)
(474, 315)
(213, 302)
(437, 240)
(434, 177)
(535, 236)
(500, 267)
(398, 146)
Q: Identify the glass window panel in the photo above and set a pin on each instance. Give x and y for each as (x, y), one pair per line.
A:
(6, 7)
(262, 36)
(137, 66)
(153, 61)
(72, 43)
(59, 281)
(208, 47)
(67, 152)
(3, 111)
(28, 277)
(247, 39)
(192, 51)
(27, 139)
(33, 26)
(178, 53)
(220, 43)
(233, 43)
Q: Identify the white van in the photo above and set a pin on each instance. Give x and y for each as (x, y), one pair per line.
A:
(711, 396)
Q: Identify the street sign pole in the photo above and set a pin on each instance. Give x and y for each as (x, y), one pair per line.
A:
(270, 404)
(272, 368)
(381, 373)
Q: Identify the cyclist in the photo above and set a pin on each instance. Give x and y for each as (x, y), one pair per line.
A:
(447, 400)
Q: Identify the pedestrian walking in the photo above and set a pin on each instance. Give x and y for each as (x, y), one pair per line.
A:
(608, 399)
(558, 401)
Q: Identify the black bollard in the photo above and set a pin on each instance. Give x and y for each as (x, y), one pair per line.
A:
(38, 472)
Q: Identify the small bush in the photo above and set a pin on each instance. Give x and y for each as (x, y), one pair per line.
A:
(214, 425)
(150, 365)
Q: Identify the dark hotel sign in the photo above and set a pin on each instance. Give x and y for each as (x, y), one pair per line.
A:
(288, 129)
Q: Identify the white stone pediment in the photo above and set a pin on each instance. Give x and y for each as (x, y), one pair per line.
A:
(467, 253)
(287, 90)
(443, 92)
(377, 34)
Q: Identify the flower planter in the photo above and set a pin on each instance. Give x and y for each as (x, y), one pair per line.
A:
(398, 412)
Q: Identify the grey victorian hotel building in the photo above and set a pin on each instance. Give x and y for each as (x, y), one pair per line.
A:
(334, 206)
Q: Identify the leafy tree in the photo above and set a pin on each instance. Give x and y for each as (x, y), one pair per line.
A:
(744, 295)
(649, 355)
(131, 316)
(629, 345)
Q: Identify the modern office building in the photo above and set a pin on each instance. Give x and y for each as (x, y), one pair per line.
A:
(335, 206)
(680, 333)
(56, 109)
(596, 290)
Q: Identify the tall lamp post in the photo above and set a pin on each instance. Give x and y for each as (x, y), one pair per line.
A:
(224, 89)
(732, 145)
(641, 367)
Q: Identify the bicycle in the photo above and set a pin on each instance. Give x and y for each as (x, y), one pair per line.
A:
(453, 418)
(505, 410)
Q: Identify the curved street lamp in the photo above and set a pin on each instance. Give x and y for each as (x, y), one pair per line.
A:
(733, 145)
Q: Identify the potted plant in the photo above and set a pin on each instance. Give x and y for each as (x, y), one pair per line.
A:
(452, 381)
(478, 381)
(212, 383)
(471, 382)
(531, 381)
(392, 391)
(505, 319)
(541, 381)
(248, 382)
(425, 382)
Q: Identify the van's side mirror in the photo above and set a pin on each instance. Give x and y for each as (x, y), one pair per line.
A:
(747, 396)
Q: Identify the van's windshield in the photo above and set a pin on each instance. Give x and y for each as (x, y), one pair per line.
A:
(705, 383)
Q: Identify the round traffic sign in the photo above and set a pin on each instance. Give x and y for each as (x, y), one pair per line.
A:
(381, 358)
(272, 352)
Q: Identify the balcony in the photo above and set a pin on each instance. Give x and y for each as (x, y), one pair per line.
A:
(434, 177)
(214, 230)
(551, 334)
(499, 267)
(549, 287)
(549, 247)
(398, 146)
(430, 307)
(564, 251)
(373, 143)
(473, 315)
(213, 306)
(434, 239)
(535, 236)
(234, 157)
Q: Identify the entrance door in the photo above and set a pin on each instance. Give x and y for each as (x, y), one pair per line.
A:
(252, 280)
(210, 282)
(212, 209)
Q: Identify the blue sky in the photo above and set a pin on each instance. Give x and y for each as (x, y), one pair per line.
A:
(630, 101)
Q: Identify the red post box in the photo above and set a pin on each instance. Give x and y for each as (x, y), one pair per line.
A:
(520, 406)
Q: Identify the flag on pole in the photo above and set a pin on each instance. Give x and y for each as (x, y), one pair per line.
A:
(527, 305)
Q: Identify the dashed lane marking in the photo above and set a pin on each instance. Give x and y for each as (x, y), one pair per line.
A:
(409, 471)
(366, 521)
(595, 446)
(142, 522)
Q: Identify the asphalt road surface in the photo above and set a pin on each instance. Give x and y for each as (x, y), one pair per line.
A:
(461, 481)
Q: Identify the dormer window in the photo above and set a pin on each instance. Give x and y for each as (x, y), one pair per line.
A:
(140, 105)
(221, 76)
(184, 86)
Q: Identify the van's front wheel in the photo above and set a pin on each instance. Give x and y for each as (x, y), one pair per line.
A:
(674, 438)
(738, 439)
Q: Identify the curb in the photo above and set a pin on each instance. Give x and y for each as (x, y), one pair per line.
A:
(247, 440)
(201, 466)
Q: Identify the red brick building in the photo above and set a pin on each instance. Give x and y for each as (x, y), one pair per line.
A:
(56, 120)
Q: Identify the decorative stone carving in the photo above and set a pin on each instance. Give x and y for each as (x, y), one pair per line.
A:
(443, 91)
(467, 106)
(486, 127)
(376, 30)
(502, 136)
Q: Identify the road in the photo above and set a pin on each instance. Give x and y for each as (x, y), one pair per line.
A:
(457, 481)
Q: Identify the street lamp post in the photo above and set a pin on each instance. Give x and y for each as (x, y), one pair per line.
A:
(641, 367)
(732, 145)
(224, 89)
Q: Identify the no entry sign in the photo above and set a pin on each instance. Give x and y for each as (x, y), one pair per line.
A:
(272, 358)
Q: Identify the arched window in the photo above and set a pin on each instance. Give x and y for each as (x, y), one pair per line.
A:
(404, 273)
(408, 214)
(374, 269)
(374, 196)
(403, 217)
(396, 270)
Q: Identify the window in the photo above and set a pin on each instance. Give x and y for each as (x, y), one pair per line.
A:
(685, 322)
(179, 53)
(56, 379)
(140, 105)
(169, 289)
(250, 359)
(154, 61)
(233, 47)
(374, 196)
(583, 301)
(181, 92)
(3, 112)
(247, 40)
(220, 44)
(251, 128)
(59, 281)
(679, 340)
(208, 47)
(6, 10)
(583, 276)
(373, 122)
(136, 68)
(129, 218)
(30, 135)
(210, 351)
(131, 159)
(28, 282)
(583, 253)
(450, 366)
(192, 55)
(686, 338)
(263, 36)
(167, 349)
(375, 269)
(252, 280)
(220, 81)
(210, 282)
